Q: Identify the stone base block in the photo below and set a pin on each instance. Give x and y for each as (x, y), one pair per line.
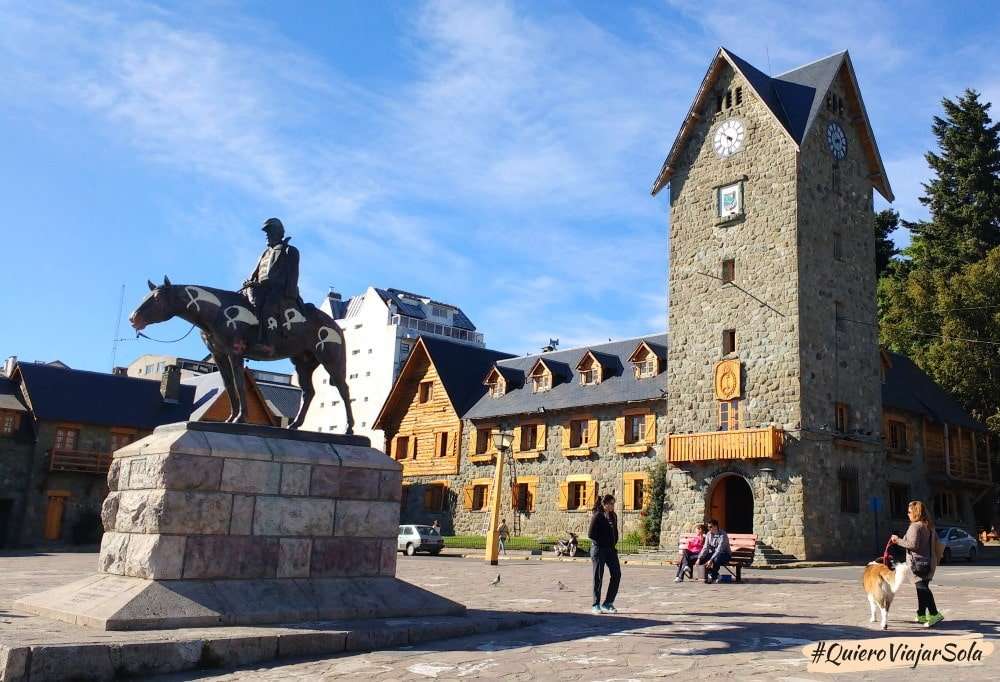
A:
(112, 602)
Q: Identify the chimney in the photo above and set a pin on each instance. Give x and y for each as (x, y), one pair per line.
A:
(333, 295)
(170, 384)
(9, 364)
(120, 371)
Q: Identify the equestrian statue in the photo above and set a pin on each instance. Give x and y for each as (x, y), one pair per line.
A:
(265, 320)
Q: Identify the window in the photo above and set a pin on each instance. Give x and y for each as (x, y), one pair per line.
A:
(529, 437)
(838, 246)
(522, 497)
(541, 379)
(899, 498)
(402, 450)
(322, 405)
(739, 96)
(638, 492)
(356, 351)
(728, 341)
(439, 311)
(635, 486)
(635, 429)
(729, 200)
(841, 412)
(729, 99)
(404, 349)
(483, 435)
(849, 494)
(579, 433)
(897, 435)
(365, 399)
(8, 423)
(426, 388)
(434, 497)
(120, 440)
(945, 506)
(644, 362)
(479, 497)
(728, 271)
(358, 325)
(369, 351)
(590, 375)
(442, 444)
(577, 497)
(729, 415)
(368, 374)
(66, 438)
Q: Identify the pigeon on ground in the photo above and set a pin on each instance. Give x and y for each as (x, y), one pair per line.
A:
(495, 582)
(560, 585)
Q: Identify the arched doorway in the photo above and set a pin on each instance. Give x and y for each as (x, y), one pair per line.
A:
(731, 502)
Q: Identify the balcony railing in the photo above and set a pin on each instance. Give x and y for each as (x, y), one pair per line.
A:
(427, 327)
(81, 461)
(717, 445)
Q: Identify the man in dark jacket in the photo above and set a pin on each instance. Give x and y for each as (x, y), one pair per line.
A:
(274, 283)
(603, 536)
(715, 552)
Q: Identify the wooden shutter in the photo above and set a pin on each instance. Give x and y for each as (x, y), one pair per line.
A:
(491, 447)
(651, 429)
(531, 497)
(517, 439)
(428, 498)
(513, 496)
(647, 491)
(564, 495)
(620, 431)
(565, 437)
(437, 443)
(467, 497)
(591, 498)
(453, 445)
(593, 432)
(629, 501)
(413, 447)
(540, 437)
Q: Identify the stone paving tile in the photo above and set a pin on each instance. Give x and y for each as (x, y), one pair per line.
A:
(754, 630)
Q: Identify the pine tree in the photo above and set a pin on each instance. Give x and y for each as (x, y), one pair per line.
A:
(964, 196)
(886, 221)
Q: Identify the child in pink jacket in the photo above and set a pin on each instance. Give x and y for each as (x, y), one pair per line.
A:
(690, 552)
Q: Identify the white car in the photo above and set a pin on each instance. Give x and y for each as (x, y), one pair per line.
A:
(413, 539)
(957, 544)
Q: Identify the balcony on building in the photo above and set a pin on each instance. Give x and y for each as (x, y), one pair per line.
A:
(80, 461)
(764, 443)
(426, 327)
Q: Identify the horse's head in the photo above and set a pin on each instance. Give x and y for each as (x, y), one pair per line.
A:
(158, 306)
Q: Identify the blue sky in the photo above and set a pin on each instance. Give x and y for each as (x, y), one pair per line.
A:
(493, 155)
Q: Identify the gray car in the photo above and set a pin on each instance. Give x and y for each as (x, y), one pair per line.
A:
(413, 539)
(957, 544)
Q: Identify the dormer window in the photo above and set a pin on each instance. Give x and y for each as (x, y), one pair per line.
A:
(541, 378)
(645, 362)
(589, 369)
(496, 384)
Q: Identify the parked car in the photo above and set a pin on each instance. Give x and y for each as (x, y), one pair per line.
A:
(957, 544)
(413, 539)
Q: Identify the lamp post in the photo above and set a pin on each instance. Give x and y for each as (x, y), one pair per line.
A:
(502, 441)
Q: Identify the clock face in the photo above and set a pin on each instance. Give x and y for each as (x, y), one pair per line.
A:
(836, 139)
(729, 137)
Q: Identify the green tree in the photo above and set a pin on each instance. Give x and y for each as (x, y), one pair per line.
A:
(886, 221)
(964, 196)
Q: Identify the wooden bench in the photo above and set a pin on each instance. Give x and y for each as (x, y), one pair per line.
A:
(743, 547)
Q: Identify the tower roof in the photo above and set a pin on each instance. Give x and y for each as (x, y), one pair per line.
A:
(794, 98)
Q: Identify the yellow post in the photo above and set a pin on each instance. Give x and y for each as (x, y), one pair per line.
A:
(493, 535)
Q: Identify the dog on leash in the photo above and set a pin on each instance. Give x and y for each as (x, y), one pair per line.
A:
(882, 579)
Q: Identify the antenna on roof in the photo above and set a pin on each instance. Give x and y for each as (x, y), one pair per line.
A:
(768, 53)
(118, 325)
(553, 344)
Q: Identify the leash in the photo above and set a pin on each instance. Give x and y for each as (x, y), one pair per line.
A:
(885, 553)
(138, 334)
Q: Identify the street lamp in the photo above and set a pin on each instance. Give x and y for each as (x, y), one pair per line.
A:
(502, 441)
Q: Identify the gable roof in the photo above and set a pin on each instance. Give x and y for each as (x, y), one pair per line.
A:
(210, 388)
(10, 396)
(397, 296)
(73, 395)
(282, 398)
(909, 388)
(658, 350)
(794, 98)
(619, 386)
(460, 367)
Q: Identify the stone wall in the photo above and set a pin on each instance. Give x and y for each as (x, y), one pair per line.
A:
(16, 452)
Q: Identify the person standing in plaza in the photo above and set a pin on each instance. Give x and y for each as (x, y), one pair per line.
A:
(503, 532)
(922, 558)
(603, 536)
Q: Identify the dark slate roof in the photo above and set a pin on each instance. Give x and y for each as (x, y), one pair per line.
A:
(285, 398)
(338, 306)
(621, 387)
(10, 396)
(462, 369)
(794, 97)
(909, 388)
(458, 318)
(74, 395)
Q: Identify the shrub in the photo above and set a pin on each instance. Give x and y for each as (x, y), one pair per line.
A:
(654, 515)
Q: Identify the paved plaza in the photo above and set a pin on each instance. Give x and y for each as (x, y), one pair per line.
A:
(754, 630)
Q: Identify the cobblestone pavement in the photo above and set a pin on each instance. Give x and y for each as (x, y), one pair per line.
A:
(754, 630)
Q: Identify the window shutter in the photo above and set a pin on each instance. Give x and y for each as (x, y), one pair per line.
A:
(490, 447)
(647, 491)
(395, 448)
(517, 439)
(564, 495)
(540, 437)
(620, 431)
(413, 447)
(531, 497)
(593, 431)
(428, 498)
(591, 494)
(474, 446)
(629, 501)
(513, 496)
(453, 444)
(467, 497)
(651, 429)
(437, 443)
(565, 437)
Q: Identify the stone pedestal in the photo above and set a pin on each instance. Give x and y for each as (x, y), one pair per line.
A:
(218, 524)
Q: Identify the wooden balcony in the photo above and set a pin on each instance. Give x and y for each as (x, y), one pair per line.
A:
(720, 445)
(80, 461)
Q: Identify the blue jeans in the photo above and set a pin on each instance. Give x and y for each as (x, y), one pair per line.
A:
(713, 573)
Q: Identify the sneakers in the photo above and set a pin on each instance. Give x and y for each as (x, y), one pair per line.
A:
(709, 581)
(932, 620)
(678, 579)
(921, 618)
(596, 610)
(608, 608)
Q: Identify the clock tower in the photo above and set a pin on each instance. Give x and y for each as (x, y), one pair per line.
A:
(773, 371)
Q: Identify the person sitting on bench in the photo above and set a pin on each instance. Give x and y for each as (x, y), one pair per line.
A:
(715, 552)
(690, 552)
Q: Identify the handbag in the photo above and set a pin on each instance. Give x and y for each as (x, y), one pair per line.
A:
(921, 566)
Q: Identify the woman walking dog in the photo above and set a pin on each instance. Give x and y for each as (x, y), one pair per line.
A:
(603, 536)
(920, 543)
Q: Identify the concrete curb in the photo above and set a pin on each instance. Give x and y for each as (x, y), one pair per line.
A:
(652, 562)
(114, 659)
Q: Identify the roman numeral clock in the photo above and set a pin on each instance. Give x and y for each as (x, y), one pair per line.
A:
(729, 137)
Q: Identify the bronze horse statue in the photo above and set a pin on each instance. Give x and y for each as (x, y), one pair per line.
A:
(305, 335)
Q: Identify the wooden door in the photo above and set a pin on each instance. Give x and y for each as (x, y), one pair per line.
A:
(54, 517)
(717, 505)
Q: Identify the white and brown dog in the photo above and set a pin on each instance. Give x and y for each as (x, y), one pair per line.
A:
(882, 581)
